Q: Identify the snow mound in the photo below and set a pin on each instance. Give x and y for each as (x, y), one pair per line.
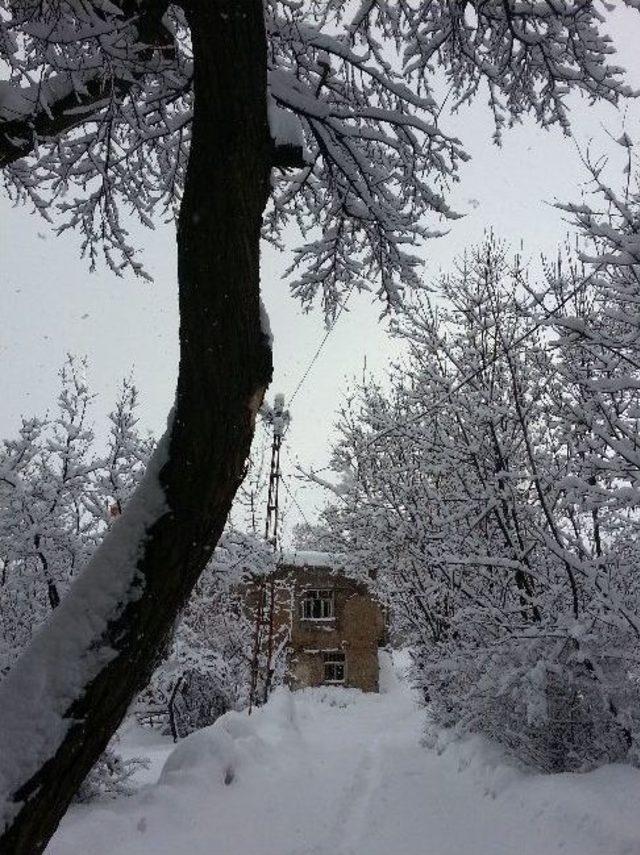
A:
(216, 753)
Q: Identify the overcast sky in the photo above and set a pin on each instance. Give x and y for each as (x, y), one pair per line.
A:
(52, 304)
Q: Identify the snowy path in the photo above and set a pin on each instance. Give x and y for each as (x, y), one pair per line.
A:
(329, 772)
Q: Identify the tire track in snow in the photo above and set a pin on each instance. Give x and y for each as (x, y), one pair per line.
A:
(351, 803)
(365, 785)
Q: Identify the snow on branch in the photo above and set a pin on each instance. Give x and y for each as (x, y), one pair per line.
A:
(97, 102)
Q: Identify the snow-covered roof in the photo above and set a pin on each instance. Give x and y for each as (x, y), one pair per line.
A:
(311, 558)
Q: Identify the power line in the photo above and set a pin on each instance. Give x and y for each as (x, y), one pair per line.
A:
(295, 502)
(337, 557)
(315, 356)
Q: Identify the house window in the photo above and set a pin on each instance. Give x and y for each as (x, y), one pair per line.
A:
(318, 605)
(333, 667)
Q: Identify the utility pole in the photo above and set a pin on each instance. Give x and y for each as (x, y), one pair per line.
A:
(278, 418)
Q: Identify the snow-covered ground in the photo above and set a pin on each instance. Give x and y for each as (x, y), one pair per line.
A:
(336, 772)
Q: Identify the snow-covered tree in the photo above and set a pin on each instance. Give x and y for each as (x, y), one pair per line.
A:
(102, 100)
(127, 453)
(44, 528)
(604, 331)
(58, 494)
(480, 492)
(107, 106)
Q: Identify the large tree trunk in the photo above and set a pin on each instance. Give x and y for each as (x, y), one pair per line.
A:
(225, 366)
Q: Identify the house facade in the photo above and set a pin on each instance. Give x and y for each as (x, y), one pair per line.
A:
(335, 625)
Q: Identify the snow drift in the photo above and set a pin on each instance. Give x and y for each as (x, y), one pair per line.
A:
(335, 772)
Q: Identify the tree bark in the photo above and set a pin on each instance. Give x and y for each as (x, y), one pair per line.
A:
(225, 367)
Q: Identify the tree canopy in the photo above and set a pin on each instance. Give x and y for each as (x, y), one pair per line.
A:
(97, 105)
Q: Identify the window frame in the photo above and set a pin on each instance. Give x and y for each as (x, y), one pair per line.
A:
(333, 658)
(307, 598)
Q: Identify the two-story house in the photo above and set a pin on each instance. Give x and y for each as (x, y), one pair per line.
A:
(335, 624)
